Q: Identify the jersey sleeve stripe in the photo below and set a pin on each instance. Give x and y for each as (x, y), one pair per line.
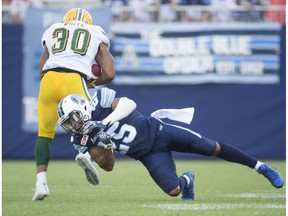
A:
(107, 97)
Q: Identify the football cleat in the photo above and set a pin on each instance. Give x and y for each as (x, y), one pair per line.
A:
(78, 14)
(188, 191)
(91, 173)
(41, 191)
(272, 175)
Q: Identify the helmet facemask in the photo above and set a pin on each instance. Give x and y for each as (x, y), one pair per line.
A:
(74, 111)
(74, 122)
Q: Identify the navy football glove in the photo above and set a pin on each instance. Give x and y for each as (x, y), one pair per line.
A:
(90, 125)
(104, 140)
(103, 137)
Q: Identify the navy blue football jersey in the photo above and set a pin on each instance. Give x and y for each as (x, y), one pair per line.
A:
(132, 135)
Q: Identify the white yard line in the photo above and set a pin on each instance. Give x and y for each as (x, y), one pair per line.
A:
(256, 195)
(192, 206)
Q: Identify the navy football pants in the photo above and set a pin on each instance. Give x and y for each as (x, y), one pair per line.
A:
(159, 161)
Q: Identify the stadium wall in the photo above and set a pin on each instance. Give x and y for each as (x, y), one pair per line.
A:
(250, 117)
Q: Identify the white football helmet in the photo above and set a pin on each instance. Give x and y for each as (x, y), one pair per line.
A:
(74, 110)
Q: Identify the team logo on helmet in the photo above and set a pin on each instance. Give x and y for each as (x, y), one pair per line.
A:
(78, 99)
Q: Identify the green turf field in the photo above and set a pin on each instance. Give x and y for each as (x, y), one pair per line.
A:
(221, 188)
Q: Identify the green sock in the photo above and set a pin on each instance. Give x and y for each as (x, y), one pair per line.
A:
(42, 150)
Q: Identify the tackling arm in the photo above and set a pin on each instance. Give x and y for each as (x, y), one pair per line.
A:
(106, 61)
(121, 107)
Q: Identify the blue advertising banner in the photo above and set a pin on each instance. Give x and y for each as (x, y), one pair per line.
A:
(191, 53)
(35, 24)
(250, 117)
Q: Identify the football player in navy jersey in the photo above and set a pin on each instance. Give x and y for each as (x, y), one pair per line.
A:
(109, 124)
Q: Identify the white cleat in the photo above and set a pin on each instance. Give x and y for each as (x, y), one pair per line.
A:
(41, 191)
(84, 161)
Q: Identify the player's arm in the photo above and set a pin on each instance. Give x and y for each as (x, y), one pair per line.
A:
(106, 61)
(121, 107)
(104, 157)
(43, 59)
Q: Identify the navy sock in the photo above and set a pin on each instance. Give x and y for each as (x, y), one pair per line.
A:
(182, 182)
(232, 154)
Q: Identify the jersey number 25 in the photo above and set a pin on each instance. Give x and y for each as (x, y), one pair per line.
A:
(126, 135)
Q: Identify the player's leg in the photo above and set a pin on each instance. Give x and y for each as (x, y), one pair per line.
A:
(184, 140)
(89, 167)
(232, 154)
(162, 169)
(47, 119)
(83, 160)
(42, 156)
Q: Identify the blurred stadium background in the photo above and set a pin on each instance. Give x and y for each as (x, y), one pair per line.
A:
(224, 57)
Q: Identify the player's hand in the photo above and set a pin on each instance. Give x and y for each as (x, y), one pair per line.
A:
(91, 83)
(90, 125)
(104, 137)
(105, 146)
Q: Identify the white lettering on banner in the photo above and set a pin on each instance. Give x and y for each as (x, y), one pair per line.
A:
(221, 45)
(231, 45)
(252, 68)
(30, 113)
(129, 57)
(179, 46)
(187, 65)
(200, 65)
(225, 67)
(147, 35)
(172, 53)
(203, 63)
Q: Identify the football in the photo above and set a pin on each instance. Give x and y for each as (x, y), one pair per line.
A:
(96, 71)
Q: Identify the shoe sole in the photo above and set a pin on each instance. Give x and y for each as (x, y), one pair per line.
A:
(39, 197)
(91, 176)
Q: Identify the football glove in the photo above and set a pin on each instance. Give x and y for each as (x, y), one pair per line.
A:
(103, 137)
(90, 125)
